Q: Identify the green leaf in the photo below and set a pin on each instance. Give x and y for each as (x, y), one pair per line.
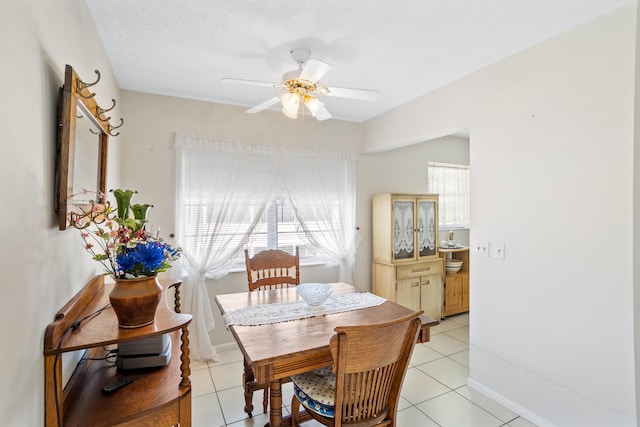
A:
(123, 199)
(140, 211)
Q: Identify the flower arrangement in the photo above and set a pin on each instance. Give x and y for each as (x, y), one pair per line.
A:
(120, 242)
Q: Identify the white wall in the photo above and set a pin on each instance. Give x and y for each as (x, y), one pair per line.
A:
(552, 170)
(43, 267)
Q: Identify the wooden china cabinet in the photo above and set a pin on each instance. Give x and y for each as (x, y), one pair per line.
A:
(155, 397)
(406, 267)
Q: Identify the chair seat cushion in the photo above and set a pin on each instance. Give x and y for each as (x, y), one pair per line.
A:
(316, 390)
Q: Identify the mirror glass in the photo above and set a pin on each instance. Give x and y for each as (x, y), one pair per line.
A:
(86, 158)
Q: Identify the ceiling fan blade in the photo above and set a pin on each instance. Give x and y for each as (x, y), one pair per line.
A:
(249, 82)
(314, 70)
(322, 114)
(361, 94)
(266, 104)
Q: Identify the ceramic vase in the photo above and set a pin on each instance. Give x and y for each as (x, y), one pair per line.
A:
(135, 301)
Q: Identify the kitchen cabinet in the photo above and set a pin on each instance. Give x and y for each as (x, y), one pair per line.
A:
(406, 266)
(456, 285)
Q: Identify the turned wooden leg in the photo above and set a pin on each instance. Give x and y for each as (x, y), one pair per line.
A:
(275, 416)
(265, 400)
(184, 366)
(247, 382)
(176, 301)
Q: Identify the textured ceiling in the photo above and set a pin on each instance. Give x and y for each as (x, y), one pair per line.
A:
(401, 48)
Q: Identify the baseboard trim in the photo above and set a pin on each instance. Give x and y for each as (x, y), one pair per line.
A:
(509, 404)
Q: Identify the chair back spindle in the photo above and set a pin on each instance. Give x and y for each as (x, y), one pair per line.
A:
(272, 268)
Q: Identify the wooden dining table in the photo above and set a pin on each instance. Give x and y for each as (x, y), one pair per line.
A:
(278, 350)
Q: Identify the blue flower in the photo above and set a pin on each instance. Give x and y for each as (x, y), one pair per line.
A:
(145, 258)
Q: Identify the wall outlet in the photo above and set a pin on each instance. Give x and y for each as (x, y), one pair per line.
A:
(498, 250)
(481, 249)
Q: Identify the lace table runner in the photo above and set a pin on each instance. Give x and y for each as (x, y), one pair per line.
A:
(264, 314)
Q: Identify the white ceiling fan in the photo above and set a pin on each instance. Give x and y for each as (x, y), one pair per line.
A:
(302, 88)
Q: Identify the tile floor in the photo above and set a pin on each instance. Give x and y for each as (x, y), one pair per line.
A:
(434, 392)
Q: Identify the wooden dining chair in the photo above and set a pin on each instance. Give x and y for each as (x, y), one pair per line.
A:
(268, 269)
(272, 268)
(363, 386)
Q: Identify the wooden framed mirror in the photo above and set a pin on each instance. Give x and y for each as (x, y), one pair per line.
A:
(81, 155)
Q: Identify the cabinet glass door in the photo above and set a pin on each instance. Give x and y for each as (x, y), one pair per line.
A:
(427, 228)
(403, 230)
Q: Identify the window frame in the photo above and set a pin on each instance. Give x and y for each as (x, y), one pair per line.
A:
(462, 216)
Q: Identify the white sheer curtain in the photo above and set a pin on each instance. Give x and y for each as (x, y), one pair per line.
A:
(222, 189)
(321, 185)
(453, 184)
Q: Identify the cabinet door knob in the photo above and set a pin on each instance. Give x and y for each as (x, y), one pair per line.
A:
(428, 282)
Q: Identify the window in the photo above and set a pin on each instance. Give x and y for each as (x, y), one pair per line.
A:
(277, 228)
(234, 195)
(453, 185)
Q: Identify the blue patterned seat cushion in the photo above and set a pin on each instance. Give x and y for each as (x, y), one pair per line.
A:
(316, 390)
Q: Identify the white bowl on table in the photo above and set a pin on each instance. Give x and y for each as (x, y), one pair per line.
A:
(314, 294)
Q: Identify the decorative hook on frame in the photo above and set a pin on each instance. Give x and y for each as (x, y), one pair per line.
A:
(100, 111)
(111, 128)
(80, 85)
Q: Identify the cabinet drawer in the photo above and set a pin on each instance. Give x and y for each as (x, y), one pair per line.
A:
(419, 269)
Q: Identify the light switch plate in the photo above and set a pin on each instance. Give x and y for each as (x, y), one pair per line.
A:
(498, 250)
(481, 249)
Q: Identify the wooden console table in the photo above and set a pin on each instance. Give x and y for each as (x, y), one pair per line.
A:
(157, 396)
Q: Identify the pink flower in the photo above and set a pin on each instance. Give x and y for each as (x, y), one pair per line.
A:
(88, 246)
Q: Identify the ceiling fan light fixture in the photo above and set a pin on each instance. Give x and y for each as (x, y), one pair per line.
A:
(302, 85)
(313, 104)
(289, 114)
(290, 104)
